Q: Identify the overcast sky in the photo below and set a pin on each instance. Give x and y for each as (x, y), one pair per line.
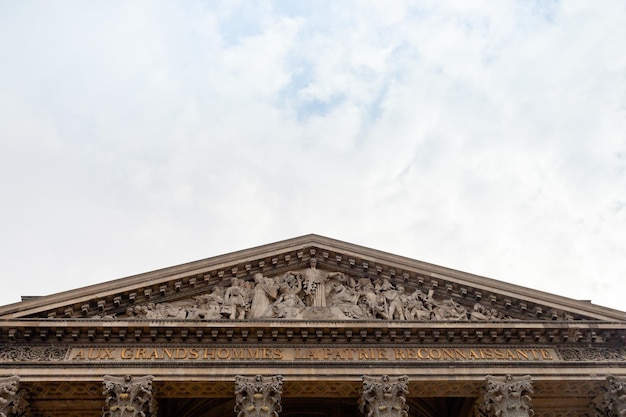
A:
(488, 137)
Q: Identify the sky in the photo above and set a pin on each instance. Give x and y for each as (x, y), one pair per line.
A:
(484, 136)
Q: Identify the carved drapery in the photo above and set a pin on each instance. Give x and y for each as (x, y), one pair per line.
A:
(508, 396)
(12, 401)
(612, 403)
(129, 396)
(314, 294)
(258, 396)
(384, 396)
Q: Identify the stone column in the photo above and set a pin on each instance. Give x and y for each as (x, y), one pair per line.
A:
(258, 396)
(129, 396)
(384, 396)
(12, 401)
(612, 403)
(508, 396)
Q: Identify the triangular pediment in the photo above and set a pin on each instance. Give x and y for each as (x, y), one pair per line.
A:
(277, 282)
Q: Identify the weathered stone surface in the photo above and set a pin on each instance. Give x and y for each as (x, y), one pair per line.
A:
(129, 397)
(314, 294)
(508, 396)
(612, 402)
(12, 401)
(384, 396)
(258, 396)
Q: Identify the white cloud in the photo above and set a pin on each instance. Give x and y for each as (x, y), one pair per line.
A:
(485, 137)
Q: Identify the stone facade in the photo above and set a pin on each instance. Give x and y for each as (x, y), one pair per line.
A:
(310, 327)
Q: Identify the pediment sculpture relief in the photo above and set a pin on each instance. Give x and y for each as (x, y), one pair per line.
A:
(313, 293)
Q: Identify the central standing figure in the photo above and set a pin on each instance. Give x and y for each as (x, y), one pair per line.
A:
(314, 284)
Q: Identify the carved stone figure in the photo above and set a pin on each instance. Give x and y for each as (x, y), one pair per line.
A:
(314, 294)
(148, 311)
(258, 396)
(235, 300)
(167, 311)
(370, 302)
(346, 298)
(314, 284)
(392, 301)
(265, 292)
(449, 310)
(480, 312)
(12, 402)
(288, 304)
(508, 396)
(208, 306)
(384, 397)
(128, 397)
(341, 294)
(414, 308)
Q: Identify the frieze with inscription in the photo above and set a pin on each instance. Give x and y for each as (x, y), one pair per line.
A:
(282, 353)
(328, 354)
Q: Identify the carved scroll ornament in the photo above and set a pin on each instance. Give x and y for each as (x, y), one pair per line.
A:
(258, 396)
(129, 397)
(384, 396)
(32, 353)
(596, 354)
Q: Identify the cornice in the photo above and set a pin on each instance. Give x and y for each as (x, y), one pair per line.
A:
(194, 278)
(407, 332)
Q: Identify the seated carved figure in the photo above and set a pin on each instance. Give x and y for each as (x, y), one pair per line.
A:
(208, 306)
(371, 303)
(169, 311)
(480, 312)
(449, 310)
(287, 305)
(415, 308)
(151, 311)
(342, 294)
(346, 299)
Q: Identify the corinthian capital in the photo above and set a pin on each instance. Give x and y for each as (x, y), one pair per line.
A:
(508, 396)
(12, 402)
(384, 396)
(258, 396)
(128, 396)
(613, 400)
